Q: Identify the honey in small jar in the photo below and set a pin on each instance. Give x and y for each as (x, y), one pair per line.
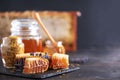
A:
(61, 48)
(49, 48)
(29, 31)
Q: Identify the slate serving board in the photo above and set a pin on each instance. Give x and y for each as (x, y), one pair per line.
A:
(47, 74)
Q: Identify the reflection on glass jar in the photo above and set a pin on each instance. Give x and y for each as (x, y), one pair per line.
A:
(11, 46)
(29, 31)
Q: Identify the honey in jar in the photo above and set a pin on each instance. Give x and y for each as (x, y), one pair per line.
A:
(49, 48)
(29, 31)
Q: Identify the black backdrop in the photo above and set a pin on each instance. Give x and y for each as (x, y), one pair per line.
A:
(99, 25)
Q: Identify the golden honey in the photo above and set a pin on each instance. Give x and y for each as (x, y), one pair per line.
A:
(32, 45)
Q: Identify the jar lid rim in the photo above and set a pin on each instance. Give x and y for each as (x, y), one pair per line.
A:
(24, 24)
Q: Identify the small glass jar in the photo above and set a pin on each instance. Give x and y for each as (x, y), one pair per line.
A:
(29, 31)
(11, 46)
(49, 48)
(61, 48)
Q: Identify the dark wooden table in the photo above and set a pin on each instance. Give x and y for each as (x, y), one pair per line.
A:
(102, 64)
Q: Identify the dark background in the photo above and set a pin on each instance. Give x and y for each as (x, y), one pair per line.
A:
(99, 25)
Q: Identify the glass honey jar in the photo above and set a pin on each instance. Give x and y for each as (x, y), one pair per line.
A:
(29, 31)
(11, 46)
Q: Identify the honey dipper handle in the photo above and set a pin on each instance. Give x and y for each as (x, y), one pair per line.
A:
(37, 17)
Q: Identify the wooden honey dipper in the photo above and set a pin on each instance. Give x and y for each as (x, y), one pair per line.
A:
(36, 16)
